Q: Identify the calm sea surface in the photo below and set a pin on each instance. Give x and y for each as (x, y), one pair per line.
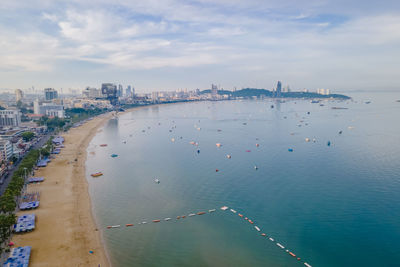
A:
(336, 205)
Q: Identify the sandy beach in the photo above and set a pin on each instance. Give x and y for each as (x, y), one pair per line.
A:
(65, 229)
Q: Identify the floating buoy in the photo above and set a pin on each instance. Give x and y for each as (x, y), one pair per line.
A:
(329, 143)
(290, 149)
(228, 156)
(307, 139)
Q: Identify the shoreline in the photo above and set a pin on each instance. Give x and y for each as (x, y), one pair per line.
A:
(66, 227)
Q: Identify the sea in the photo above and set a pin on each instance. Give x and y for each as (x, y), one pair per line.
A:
(334, 200)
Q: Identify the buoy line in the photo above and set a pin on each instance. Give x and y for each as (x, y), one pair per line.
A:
(223, 208)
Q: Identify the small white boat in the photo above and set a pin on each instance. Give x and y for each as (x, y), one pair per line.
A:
(279, 245)
(144, 222)
(228, 156)
(271, 239)
(258, 229)
(234, 211)
(255, 167)
(191, 214)
(306, 264)
(224, 208)
(157, 181)
(211, 210)
(167, 219)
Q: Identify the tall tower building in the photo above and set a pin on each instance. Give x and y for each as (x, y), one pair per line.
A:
(214, 90)
(50, 94)
(278, 89)
(18, 95)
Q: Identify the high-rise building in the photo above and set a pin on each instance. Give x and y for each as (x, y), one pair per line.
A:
(50, 94)
(110, 91)
(133, 91)
(120, 90)
(18, 95)
(278, 92)
(128, 91)
(214, 90)
(10, 117)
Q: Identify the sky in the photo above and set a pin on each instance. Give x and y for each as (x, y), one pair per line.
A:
(175, 44)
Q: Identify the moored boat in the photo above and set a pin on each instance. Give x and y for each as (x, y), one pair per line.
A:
(97, 174)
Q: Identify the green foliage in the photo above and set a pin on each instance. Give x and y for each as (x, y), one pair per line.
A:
(51, 123)
(27, 136)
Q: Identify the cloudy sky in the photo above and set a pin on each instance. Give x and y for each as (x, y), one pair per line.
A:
(172, 44)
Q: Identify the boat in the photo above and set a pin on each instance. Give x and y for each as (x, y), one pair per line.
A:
(307, 139)
(218, 144)
(167, 219)
(173, 139)
(156, 221)
(234, 211)
(250, 221)
(103, 145)
(191, 214)
(290, 149)
(255, 167)
(248, 150)
(228, 156)
(115, 226)
(240, 215)
(211, 210)
(257, 145)
(224, 208)
(263, 234)
(157, 181)
(114, 155)
(178, 217)
(183, 216)
(97, 174)
(201, 213)
(279, 245)
(292, 254)
(128, 224)
(329, 143)
(271, 239)
(306, 264)
(216, 170)
(257, 228)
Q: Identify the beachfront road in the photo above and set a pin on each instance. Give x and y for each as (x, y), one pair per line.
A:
(6, 179)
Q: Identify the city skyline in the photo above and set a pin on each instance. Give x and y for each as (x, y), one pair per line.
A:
(181, 44)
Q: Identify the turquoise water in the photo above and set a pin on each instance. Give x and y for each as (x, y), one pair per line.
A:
(335, 205)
